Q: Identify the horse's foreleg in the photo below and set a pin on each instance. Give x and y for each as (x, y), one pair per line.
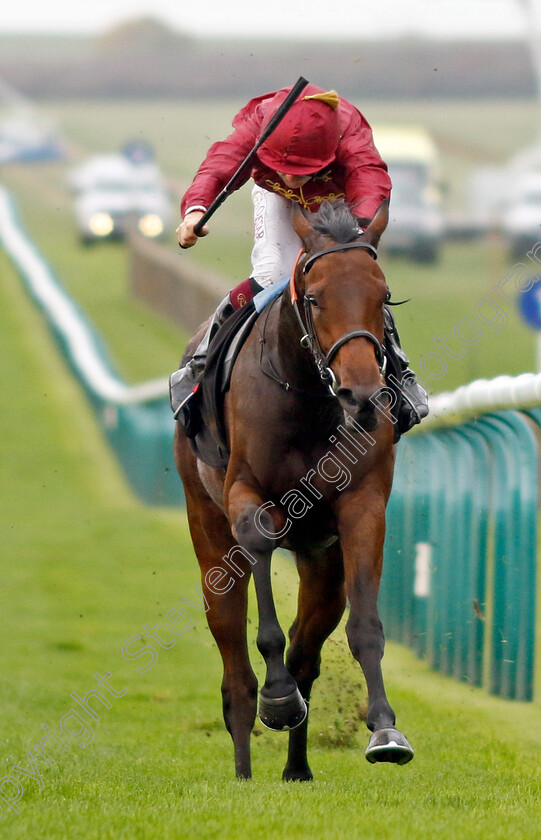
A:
(321, 604)
(226, 616)
(225, 586)
(281, 706)
(362, 531)
(227, 622)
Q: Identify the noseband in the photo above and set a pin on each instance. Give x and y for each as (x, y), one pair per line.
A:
(309, 338)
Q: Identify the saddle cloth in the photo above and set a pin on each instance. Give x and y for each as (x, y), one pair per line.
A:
(210, 441)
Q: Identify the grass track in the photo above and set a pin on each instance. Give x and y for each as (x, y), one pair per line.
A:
(85, 566)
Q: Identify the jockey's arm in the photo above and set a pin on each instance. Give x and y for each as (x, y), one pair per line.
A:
(221, 162)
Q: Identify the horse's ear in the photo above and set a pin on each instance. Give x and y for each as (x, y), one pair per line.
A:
(373, 232)
(303, 228)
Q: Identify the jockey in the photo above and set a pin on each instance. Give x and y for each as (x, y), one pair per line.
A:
(321, 150)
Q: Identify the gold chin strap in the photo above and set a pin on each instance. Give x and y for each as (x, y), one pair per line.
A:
(330, 97)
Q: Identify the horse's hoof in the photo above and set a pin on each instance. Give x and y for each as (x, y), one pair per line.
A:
(291, 775)
(282, 713)
(389, 745)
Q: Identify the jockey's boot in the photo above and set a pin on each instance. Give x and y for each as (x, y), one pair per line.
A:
(183, 383)
(411, 398)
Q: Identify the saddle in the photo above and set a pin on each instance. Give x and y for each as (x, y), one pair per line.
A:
(209, 442)
(207, 405)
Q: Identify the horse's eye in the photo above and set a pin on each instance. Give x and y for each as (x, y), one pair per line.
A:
(312, 301)
(388, 296)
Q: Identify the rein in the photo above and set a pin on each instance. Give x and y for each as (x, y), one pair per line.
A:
(309, 338)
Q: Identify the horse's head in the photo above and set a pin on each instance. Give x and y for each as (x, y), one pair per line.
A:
(341, 291)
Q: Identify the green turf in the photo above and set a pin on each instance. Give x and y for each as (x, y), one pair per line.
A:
(85, 566)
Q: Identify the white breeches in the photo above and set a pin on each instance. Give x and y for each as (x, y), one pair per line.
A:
(276, 244)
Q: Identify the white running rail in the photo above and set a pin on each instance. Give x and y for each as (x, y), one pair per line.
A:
(483, 396)
(79, 339)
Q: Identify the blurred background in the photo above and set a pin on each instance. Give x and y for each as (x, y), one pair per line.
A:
(450, 88)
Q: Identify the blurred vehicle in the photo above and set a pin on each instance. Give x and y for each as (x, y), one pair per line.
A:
(521, 218)
(416, 224)
(114, 193)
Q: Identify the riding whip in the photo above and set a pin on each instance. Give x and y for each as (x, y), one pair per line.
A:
(230, 187)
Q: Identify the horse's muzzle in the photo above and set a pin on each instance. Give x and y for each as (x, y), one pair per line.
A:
(359, 407)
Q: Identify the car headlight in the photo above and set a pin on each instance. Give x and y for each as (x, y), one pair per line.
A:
(101, 224)
(151, 225)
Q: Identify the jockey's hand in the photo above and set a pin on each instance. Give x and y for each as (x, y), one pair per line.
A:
(185, 231)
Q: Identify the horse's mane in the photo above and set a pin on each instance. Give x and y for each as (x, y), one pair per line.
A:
(334, 219)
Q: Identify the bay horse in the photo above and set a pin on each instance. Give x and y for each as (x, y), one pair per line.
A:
(310, 469)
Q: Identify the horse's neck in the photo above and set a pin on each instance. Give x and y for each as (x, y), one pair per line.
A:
(310, 414)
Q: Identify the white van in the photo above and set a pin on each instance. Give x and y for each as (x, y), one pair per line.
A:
(416, 223)
(521, 218)
(113, 194)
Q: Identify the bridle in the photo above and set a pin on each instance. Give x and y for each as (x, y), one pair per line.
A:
(309, 338)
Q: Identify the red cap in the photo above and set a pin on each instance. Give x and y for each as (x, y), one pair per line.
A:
(306, 139)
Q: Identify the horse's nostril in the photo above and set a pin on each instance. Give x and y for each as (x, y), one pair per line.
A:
(346, 397)
(358, 406)
(358, 400)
